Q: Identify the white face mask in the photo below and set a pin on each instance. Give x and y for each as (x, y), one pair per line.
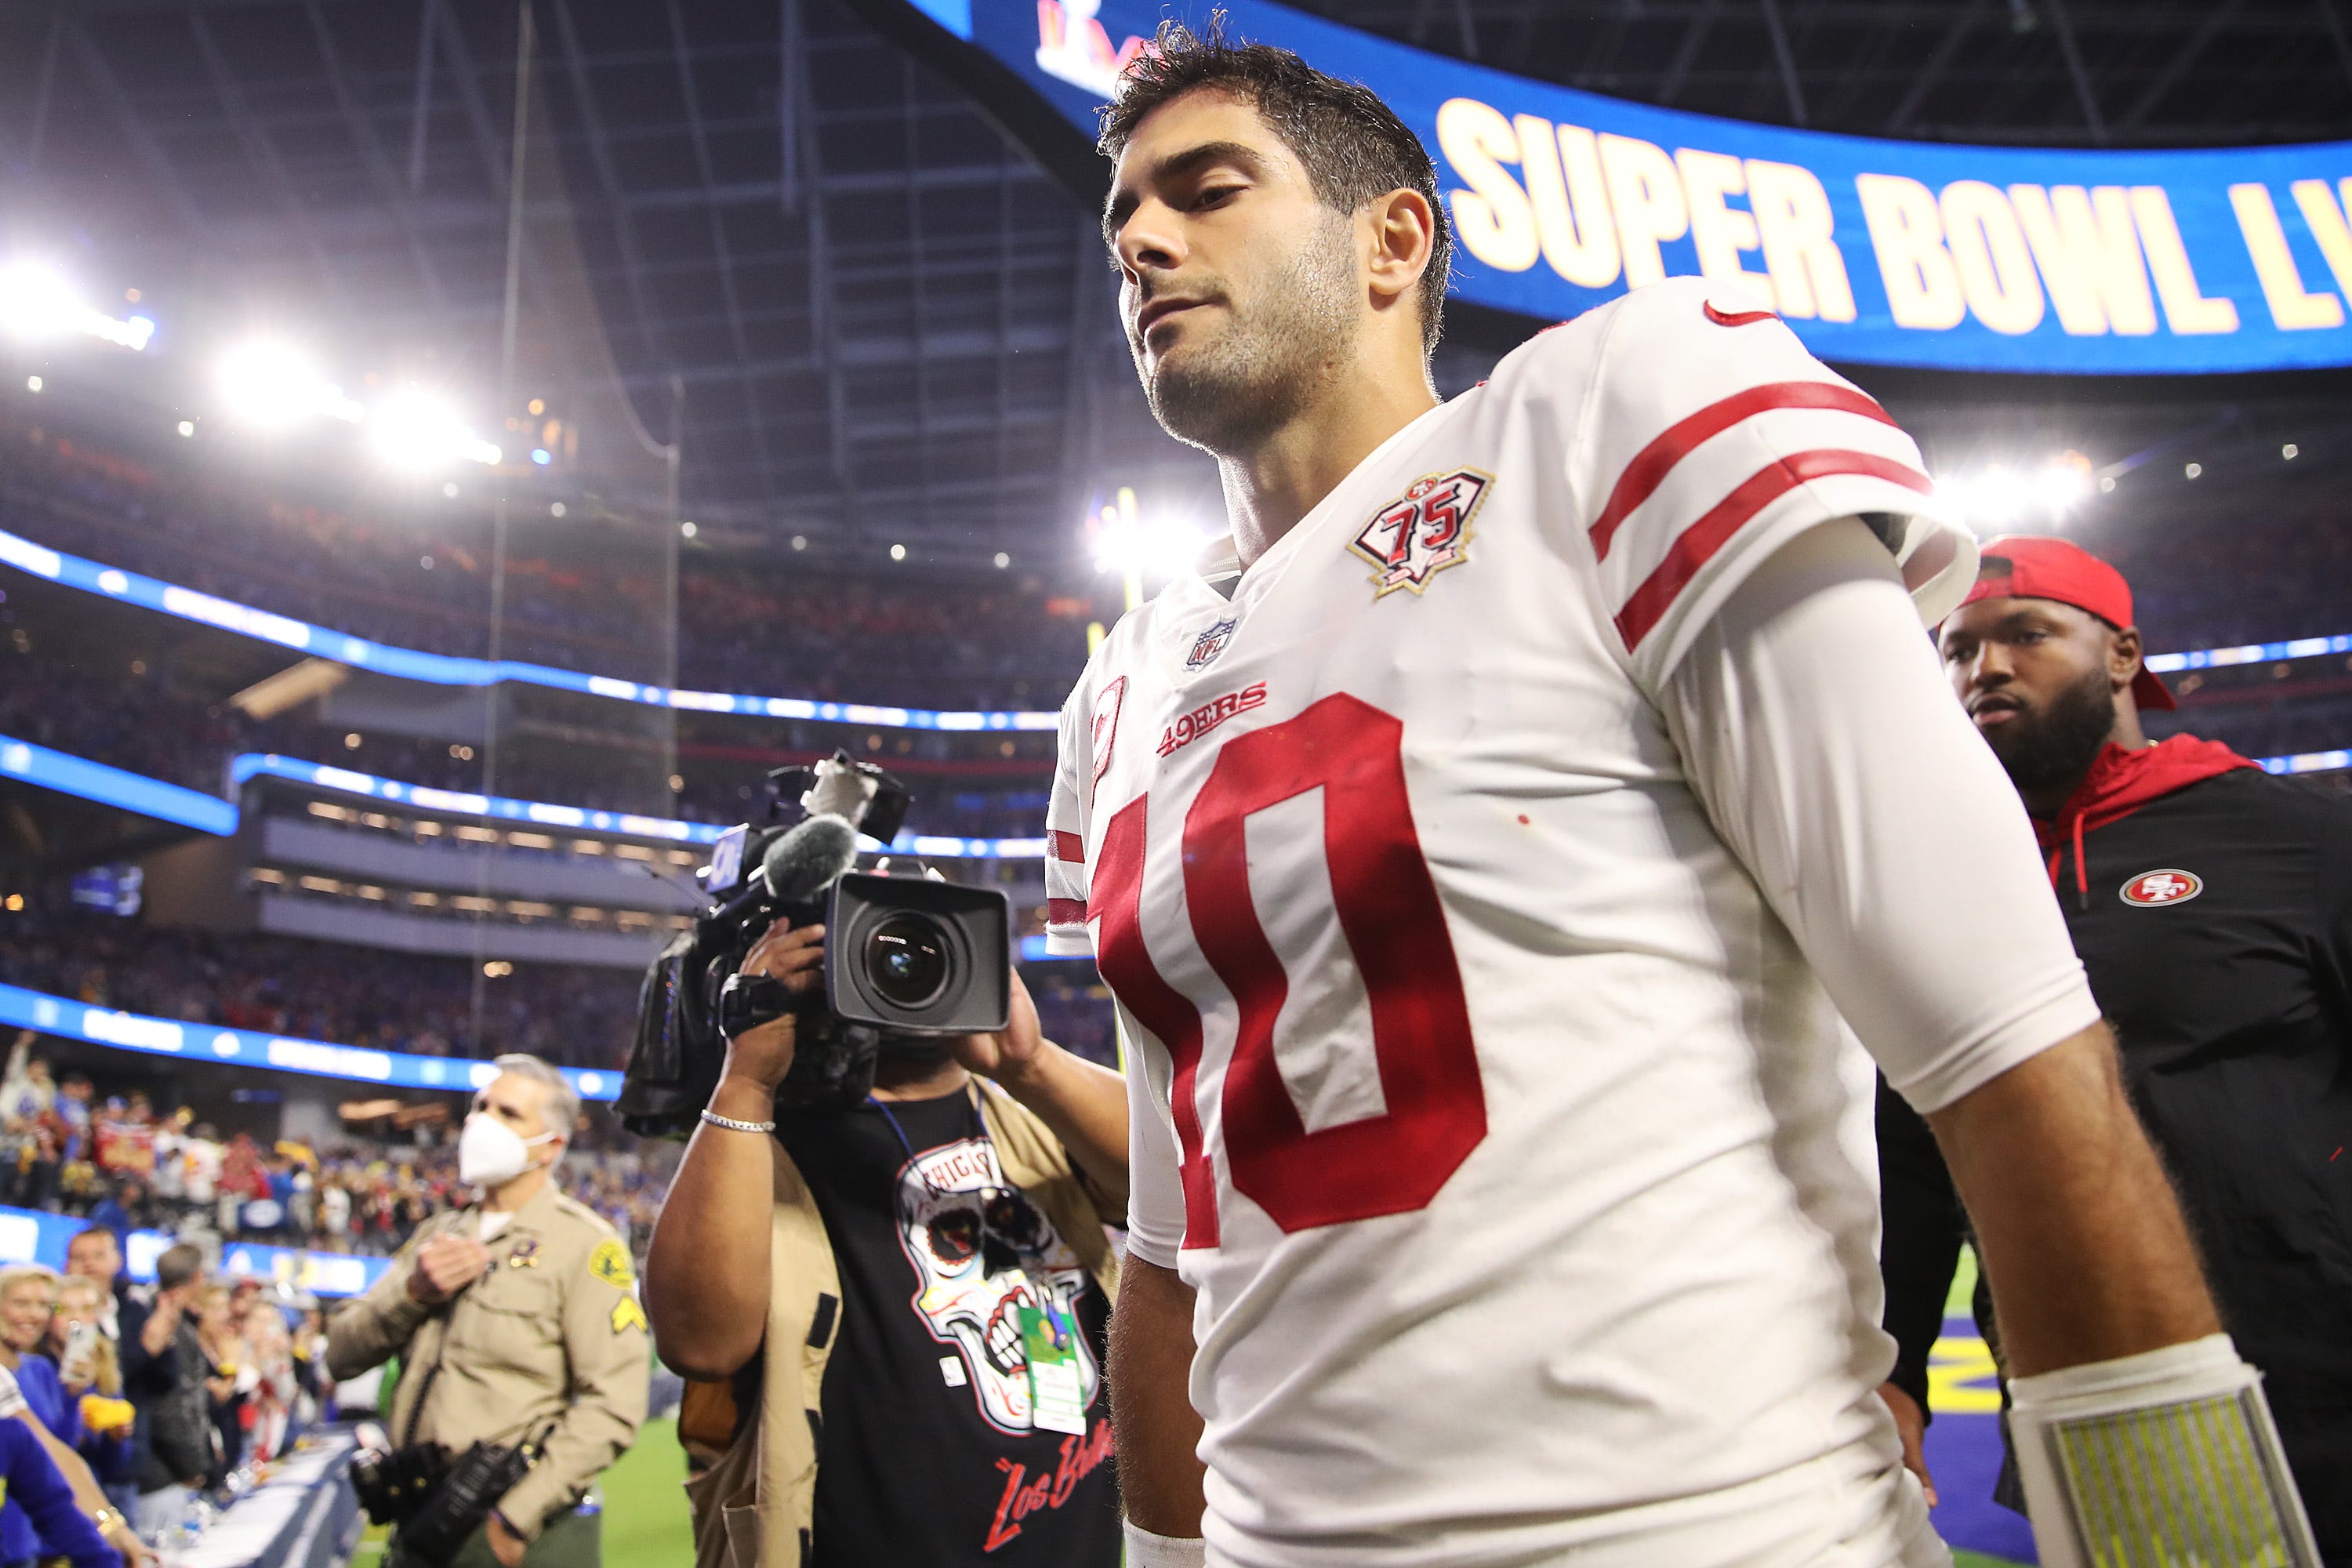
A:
(490, 1152)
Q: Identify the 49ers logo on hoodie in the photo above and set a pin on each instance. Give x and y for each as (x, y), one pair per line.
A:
(2150, 890)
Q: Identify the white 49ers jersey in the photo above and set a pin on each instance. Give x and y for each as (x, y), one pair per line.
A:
(1479, 1094)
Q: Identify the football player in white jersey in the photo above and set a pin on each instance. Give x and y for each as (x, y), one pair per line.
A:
(1482, 850)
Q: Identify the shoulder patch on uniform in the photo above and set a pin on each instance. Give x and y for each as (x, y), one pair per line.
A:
(610, 1263)
(627, 1314)
(1422, 531)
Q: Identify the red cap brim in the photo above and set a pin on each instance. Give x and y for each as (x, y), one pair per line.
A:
(2151, 694)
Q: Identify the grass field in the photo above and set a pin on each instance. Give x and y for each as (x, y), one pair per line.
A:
(645, 1506)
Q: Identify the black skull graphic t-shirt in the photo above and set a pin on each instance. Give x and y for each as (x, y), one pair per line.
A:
(933, 1451)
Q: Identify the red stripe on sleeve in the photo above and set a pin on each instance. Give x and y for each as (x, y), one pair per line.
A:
(1697, 544)
(1066, 911)
(1067, 846)
(1651, 466)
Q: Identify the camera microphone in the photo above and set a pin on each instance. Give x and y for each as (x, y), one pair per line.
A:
(803, 863)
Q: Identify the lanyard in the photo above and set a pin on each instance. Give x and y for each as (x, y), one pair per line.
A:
(979, 1132)
(988, 1196)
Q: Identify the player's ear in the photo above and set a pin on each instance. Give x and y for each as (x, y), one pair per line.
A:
(1401, 232)
(2124, 650)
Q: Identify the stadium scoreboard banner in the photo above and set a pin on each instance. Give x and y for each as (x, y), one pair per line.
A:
(1933, 255)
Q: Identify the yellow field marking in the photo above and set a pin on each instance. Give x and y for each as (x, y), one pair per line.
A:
(1955, 1367)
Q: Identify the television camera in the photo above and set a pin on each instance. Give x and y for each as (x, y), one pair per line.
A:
(907, 954)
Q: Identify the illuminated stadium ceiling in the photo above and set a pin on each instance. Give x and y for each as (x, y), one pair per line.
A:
(888, 322)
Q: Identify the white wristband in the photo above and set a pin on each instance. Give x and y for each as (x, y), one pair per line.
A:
(2166, 1457)
(1145, 1549)
(2199, 1367)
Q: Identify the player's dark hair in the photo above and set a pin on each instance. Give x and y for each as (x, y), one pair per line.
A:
(1354, 148)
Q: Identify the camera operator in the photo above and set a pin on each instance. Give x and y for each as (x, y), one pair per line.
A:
(906, 1298)
(515, 1327)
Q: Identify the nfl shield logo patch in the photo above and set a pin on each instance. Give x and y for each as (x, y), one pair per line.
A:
(1422, 531)
(1210, 644)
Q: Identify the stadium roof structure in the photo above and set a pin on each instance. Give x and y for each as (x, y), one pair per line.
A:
(887, 320)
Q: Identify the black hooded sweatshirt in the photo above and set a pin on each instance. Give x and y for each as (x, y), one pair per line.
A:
(2212, 904)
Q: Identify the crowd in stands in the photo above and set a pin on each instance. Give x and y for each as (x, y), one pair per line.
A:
(2259, 726)
(574, 597)
(122, 1164)
(174, 1394)
(170, 1398)
(417, 1003)
(132, 717)
(2283, 572)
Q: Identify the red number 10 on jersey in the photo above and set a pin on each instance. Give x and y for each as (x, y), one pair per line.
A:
(1387, 908)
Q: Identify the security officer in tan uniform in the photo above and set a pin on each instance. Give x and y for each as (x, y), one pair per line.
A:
(513, 1316)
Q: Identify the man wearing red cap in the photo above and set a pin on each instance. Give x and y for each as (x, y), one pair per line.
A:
(2212, 904)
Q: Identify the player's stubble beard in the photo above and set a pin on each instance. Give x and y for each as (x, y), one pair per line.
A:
(2057, 746)
(1277, 347)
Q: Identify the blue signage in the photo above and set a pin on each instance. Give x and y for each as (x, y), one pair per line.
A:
(1931, 254)
(29, 1235)
(202, 1043)
(108, 786)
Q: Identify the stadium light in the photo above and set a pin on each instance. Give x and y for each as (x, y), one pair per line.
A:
(2001, 497)
(271, 384)
(35, 301)
(2065, 481)
(1125, 542)
(38, 303)
(413, 429)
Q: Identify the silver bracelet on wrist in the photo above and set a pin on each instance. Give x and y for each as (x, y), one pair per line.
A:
(732, 1125)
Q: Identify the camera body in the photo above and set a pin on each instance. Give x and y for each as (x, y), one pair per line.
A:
(906, 954)
(394, 1484)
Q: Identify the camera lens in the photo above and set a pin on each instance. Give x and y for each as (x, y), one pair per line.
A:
(907, 960)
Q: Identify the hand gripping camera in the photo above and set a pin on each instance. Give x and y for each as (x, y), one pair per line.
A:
(907, 954)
